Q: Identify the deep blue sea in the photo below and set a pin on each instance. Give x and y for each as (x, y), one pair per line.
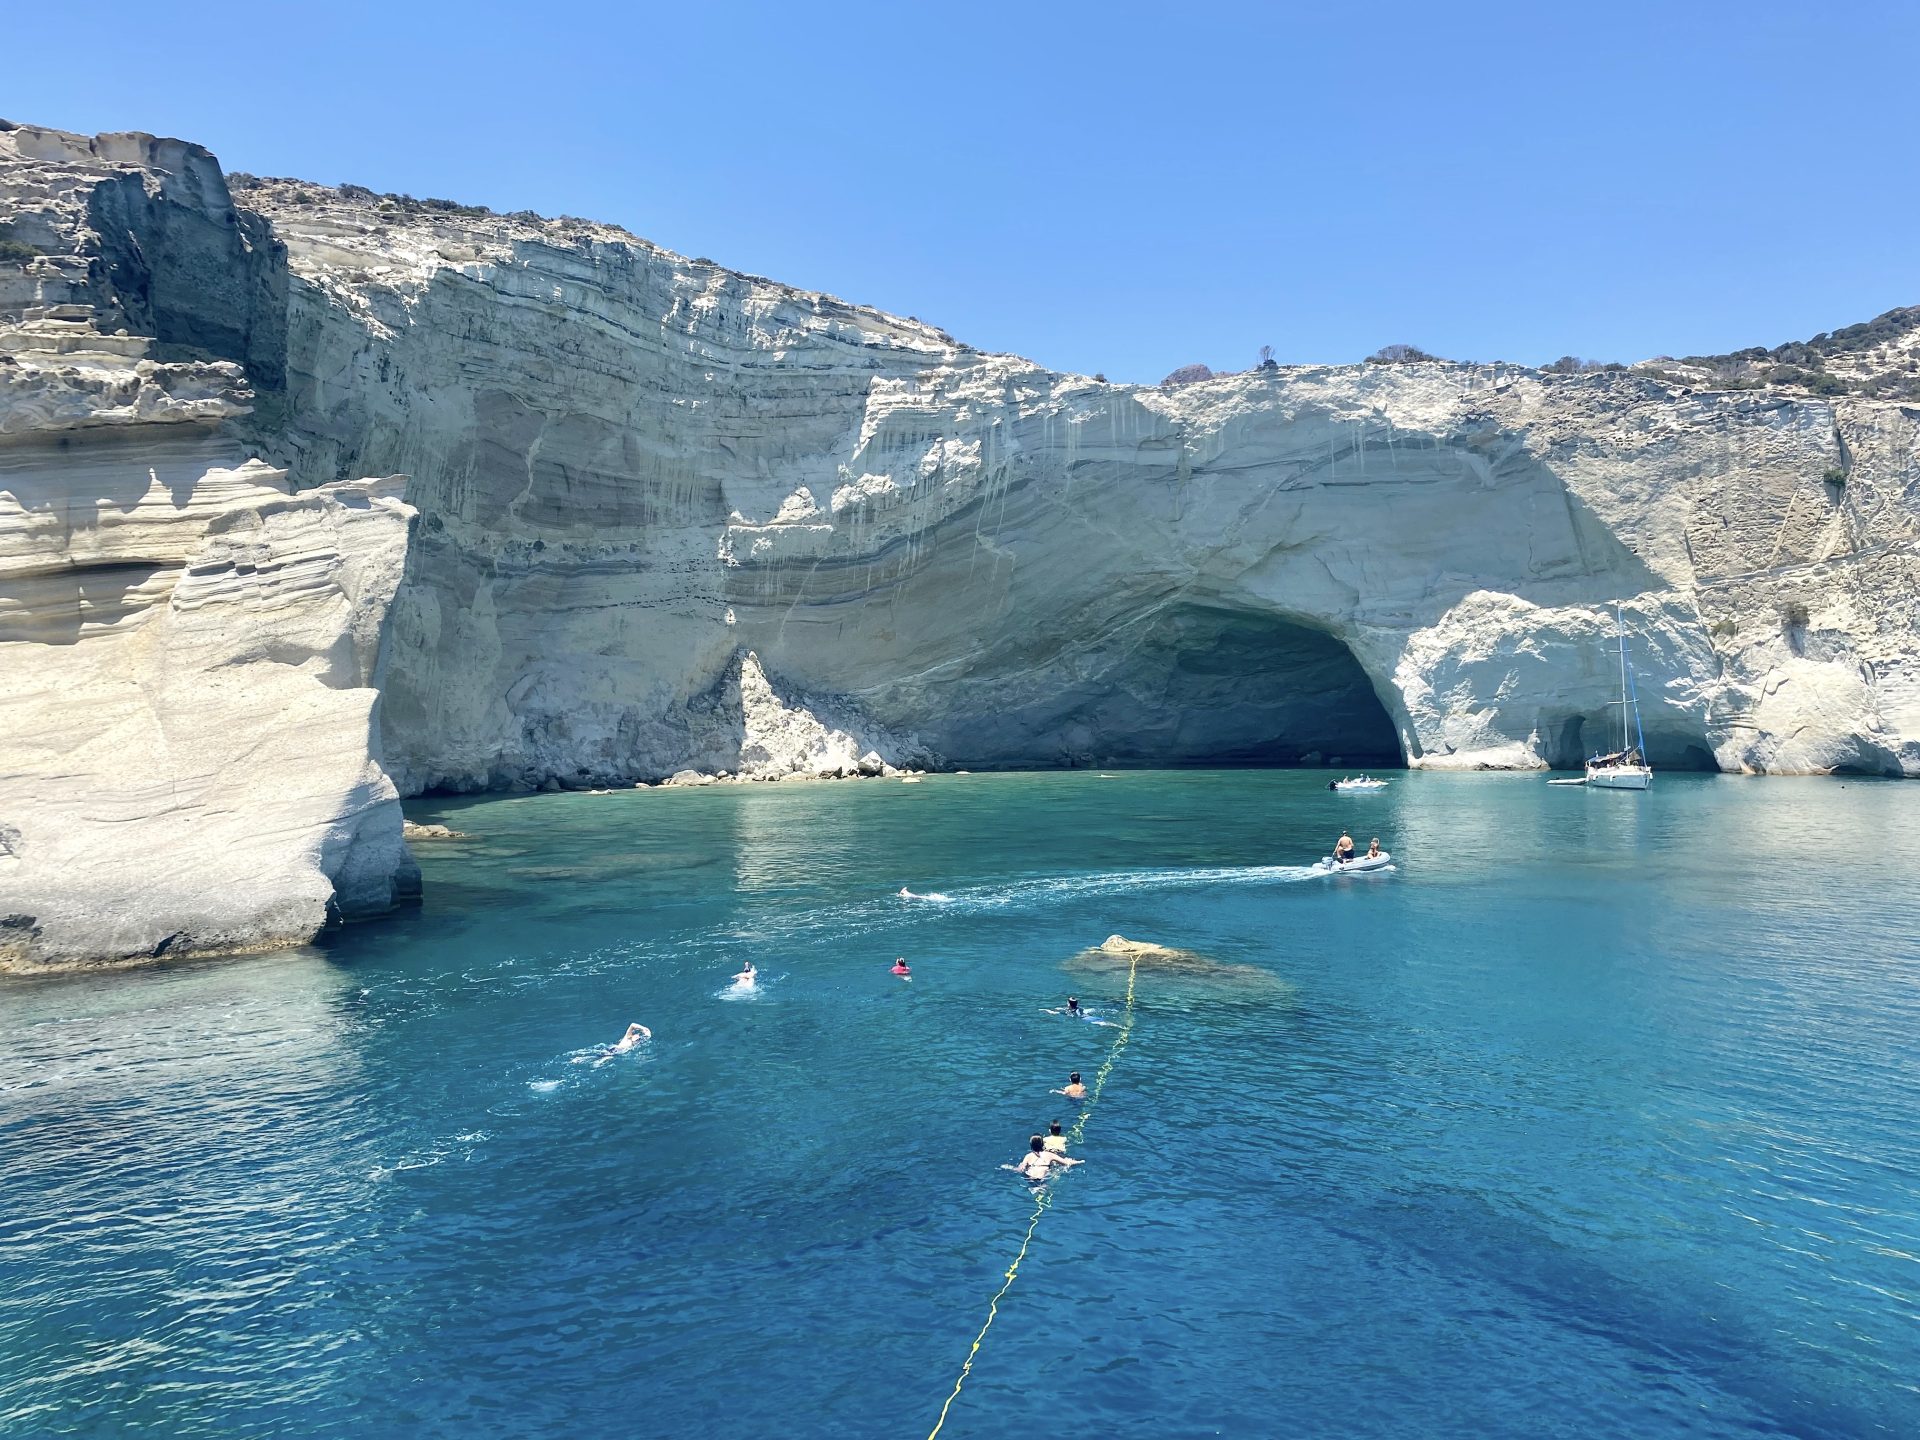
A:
(1596, 1116)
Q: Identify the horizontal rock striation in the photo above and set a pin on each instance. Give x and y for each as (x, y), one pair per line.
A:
(674, 517)
(633, 468)
(190, 653)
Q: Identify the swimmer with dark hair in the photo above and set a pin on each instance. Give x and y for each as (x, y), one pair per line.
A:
(1053, 1139)
(747, 976)
(1074, 1090)
(900, 968)
(1039, 1162)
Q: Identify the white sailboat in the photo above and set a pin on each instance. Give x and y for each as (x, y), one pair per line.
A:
(1626, 768)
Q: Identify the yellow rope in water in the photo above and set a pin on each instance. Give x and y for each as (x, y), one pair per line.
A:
(1045, 1200)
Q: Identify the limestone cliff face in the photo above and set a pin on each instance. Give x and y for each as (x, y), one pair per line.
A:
(633, 467)
(673, 516)
(189, 652)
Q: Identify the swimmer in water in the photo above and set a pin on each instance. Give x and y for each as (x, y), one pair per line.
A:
(900, 968)
(1074, 1089)
(1055, 1142)
(1039, 1162)
(746, 976)
(1073, 1007)
(637, 1034)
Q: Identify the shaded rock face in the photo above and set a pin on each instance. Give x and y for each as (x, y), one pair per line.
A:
(1187, 683)
(143, 232)
(190, 653)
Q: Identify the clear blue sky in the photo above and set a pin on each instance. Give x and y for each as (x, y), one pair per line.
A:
(1108, 187)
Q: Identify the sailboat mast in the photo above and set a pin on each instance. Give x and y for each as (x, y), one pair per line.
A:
(1620, 624)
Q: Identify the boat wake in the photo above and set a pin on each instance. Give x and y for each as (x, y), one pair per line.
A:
(1053, 889)
(881, 914)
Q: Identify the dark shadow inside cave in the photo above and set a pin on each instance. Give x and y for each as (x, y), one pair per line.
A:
(1573, 738)
(1201, 685)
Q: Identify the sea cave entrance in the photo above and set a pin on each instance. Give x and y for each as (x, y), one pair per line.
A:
(1572, 738)
(1208, 685)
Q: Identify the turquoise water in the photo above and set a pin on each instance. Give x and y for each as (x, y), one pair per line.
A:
(1594, 1117)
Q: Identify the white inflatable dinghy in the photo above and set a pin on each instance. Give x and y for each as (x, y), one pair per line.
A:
(1355, 865)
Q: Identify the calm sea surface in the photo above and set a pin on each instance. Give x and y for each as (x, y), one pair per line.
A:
(1597, 1116)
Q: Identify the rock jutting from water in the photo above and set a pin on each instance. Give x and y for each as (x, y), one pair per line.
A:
(1118, 956)
(675, 518)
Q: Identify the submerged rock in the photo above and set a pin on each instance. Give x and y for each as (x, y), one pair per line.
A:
(414, 830)
(1119, 955)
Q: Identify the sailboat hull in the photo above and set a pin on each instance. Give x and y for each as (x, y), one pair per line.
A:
(1620, 777)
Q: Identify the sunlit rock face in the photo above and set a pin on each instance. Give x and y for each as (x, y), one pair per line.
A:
(633, 468)
(190, 653)
(676, 517)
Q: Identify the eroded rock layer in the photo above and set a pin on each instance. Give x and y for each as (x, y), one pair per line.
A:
(190, 652)
(634, 467)
(673, 517)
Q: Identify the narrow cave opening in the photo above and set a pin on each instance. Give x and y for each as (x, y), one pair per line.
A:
(1205, 685)
(1572, 739)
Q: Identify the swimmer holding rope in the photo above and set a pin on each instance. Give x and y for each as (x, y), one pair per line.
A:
(1039, 1162)
(1074, 1089)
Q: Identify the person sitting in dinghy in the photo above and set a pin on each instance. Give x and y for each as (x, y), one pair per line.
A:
(1343, 849)
(1373, 850)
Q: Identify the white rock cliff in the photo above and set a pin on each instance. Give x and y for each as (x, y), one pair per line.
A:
(633, 467)
(673, 517)
(189, 653)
